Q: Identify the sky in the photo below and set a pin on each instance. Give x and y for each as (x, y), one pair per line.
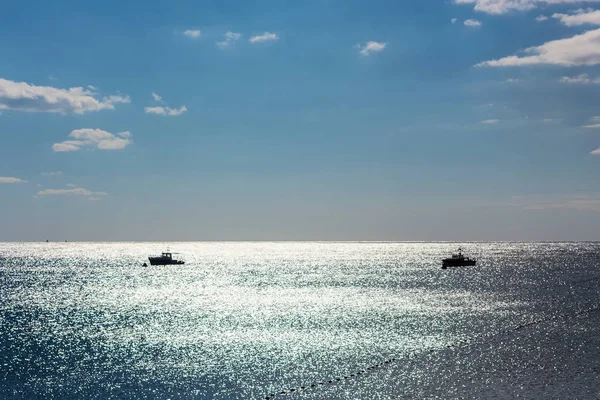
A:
(449, 120)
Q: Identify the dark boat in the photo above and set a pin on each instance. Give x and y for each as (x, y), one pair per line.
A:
(165, 259)
(458, 260)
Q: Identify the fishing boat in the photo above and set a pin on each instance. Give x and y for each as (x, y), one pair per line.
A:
(458, 260)
(165, 259)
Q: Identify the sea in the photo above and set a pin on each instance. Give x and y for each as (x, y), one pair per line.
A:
(299, 320)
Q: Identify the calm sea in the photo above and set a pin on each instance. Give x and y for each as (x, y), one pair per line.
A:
(301, 320)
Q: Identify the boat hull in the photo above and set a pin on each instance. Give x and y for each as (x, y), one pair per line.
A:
(457, 263)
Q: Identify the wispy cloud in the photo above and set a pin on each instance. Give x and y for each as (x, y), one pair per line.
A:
(541, 18)
(172, 112)
(593, 126)
(580, 17)
(453, 20)
(596, 152)
(23, 96)
(156, 97)
(505, 6)
(192, 33)
(10, 179)
(94, 138)
(513, 80)
(581, 204)
(53, 173)
(371, 47)
(71, 192)
(229, 39)
(581, 79)
(581, 49)
(472, 23)
(265, 37)
(490, 121)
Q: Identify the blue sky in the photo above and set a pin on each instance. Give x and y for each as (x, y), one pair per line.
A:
(314, 120)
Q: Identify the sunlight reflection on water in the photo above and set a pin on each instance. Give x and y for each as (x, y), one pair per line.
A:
(240, 320)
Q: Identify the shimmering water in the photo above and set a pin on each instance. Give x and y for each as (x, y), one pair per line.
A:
(249, 320)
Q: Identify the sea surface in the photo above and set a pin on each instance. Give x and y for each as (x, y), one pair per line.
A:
(299, 320)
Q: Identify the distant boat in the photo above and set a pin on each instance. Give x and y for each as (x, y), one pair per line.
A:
(458, 260)
(165, 259)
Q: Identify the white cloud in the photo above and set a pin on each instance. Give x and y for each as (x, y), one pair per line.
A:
(265, 37)
(541, 18)
(172, 112)
(581, 17)
(192, 33)
(156, 97)
(548, 120)
(91, 87)
(472, 23)
(592, 126)
(93, 138)
(453, 20)
(230, 38)
(25, 97)
(54, 173)
(595, 119)
(504, 6)
(71, 185)
(371, 47)
(71, 192)
(10, 179)
(513, 80)
(490, 121)
(581, 49)
(596, 152)
(582, 78)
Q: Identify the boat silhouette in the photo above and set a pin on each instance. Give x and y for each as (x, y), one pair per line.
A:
(458, 260)
(165, 258)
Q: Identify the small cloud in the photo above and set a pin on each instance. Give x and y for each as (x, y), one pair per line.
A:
(595, 119)
(52, 78)
(472, 23)
(490, 121)
(70, 192)
(172, 112)
(265, 37)
(541, 18)
(513, 80)
(453, 20)
(92, 87)
(596, 152)
(23, 96)
(10, 179)
(580, 17)
(593, 126)
(583, 79)
(580, 49)
(498, 7)
(98, 138)
(71, 185)
(371, 47)
(192, 33)
(548, 120)
(230, 38)
(54, 173)
(156, 97)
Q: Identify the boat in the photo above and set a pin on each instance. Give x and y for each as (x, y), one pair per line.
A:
(165, 259)
(458, 260)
